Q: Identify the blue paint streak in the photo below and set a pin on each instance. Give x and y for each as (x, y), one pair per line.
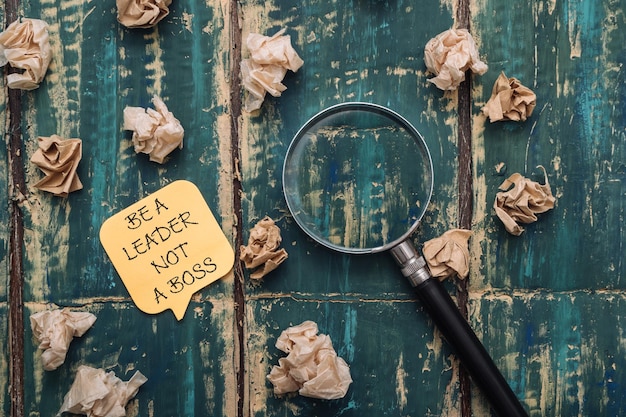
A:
(347, 350)
(188, 384)
(567, 344)
(106, 142)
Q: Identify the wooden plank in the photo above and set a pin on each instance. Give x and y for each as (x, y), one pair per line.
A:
(555, 292)
(98, 68)
(353, 51)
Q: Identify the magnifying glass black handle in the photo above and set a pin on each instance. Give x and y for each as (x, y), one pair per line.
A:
(459, 334)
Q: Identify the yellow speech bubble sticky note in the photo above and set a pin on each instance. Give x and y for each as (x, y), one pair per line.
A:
(166, 247)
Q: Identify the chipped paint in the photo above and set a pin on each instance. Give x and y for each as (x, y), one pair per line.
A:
(154, 68)
(225, 192)
(401, 389)
(258, 336)
(451, 403)
(482, 207)
(188, 21)
(543, 319)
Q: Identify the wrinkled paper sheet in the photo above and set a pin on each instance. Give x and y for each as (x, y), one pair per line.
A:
(449, 55)
(263, 251)
(58, 159)
(55, 330)
(25, 45)
(448, 254)
(156, 132)
(142, 13)
(97, 393)
(263, 72)
(510, 100)
(311, 367)
(520, 200)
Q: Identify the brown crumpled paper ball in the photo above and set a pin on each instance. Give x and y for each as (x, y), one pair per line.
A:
(449, 55)
(263, 72)
(156, 132)
(520, 199)
(25, 45)
(55, 329)
(262, 250)
(97, 393)
(311, 367)
(448, 254)
(58, 158)
(510, 100)
(142, 13)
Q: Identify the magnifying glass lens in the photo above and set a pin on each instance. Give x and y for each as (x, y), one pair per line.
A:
(357, 179)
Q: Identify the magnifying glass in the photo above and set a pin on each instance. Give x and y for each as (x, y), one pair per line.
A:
(357, 179)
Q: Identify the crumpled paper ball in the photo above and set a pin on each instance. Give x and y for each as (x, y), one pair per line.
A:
(263, 250)
(25, 45)
(58, 158)
(520, 199)
(449, 55)
(448, 254)
(263, 72)
(510, 100)
(156, 132)
(96, 393)
(312, 367)
(142, 13)
(55, 329)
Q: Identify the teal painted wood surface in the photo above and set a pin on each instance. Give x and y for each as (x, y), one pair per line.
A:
(100, 67)
(353, 51)
(558, 288)
(548, 304)
(572, 55)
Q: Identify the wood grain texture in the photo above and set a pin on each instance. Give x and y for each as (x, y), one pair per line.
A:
(100, 67)
(549, 304)
(557, 289)
(569, 55)
(353, 51)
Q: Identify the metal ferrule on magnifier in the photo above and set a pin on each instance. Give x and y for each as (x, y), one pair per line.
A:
(412, 264)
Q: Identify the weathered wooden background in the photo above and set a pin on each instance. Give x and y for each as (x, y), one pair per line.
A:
(549, 305)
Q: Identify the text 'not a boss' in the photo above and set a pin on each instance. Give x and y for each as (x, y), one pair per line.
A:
(166, 247)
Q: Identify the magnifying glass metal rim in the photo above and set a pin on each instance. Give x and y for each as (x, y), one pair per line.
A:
(373, 108)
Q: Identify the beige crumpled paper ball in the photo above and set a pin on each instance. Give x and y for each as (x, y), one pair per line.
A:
(25, 45)
(156, 132)
(448, 254)
(262, 252)
(58, 159)
(509, 100)
(520, 200)
(97, 393)
(263, 72)
(312, 367)
(449, 55)
(142, 13)
(55, 329)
